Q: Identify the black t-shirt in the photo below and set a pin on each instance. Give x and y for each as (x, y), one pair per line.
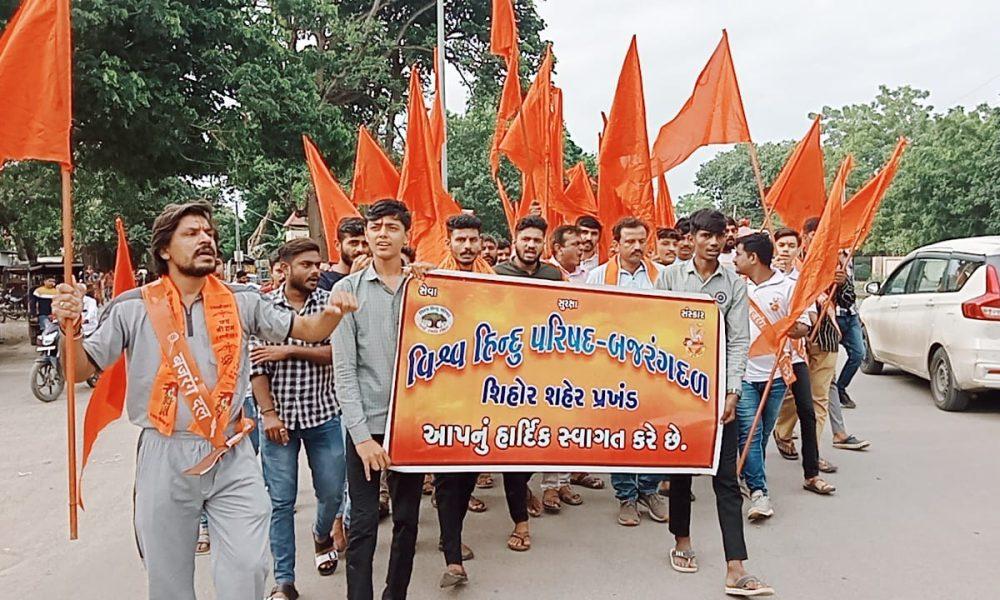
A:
(545, 271)
(327, 279)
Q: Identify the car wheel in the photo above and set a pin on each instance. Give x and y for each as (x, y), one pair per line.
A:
(870, 366)
(945, 391)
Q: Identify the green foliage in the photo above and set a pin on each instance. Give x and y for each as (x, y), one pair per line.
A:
(729, 182)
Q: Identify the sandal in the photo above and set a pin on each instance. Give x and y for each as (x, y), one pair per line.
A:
(818, 486)
(550, 500)
(339, 535)
(284, 591)
(204, 545)
(587, 480)
(534, 505)
(826, 466)
(449, 579)
(484, 481)
(326, 556)
(743, 587)
(567, 495)
(685, 555)
(428, 485)
(786, 448)
(519, 542)
(476, 505)
(467, 553)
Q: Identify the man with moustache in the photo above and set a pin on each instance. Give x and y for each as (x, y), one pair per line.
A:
(666, 246)
(490, 249)
(565, 244)
(352, 246)
(503, 250)
(589, 229)
(728, 254)
(685, 245)
(465, 245)
(293, 385)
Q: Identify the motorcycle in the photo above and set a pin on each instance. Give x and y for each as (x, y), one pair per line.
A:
(47, 380)
(12, 307)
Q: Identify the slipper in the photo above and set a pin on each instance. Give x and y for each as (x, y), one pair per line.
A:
(522, 543)
(587, 480)
(204, 545)
(326, 557)
(568, 496)
(534, 505)
(826, 466)
(786, 448)
(743, 590)
(818, 486)
(475, 505)
(687, 555)
(550, 501)
(284, 591)
(449, 579)
(484, 481)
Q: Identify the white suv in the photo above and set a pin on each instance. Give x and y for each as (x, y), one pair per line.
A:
(938, 316)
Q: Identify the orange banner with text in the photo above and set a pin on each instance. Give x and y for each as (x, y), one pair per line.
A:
(502, 374)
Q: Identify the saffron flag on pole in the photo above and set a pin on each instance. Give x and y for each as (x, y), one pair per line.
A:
(36, 84)
(334, 204)
(664, 205)
(503, 43)
(712, 115)
(106, 402)
(528, 136)
(420, 186)
(578, 198)
(799, 192)
(375, 177)
(860, 210)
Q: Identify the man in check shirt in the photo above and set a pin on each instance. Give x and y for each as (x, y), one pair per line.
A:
(293, 385)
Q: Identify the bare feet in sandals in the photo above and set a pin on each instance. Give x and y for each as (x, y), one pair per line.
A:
(534, 504)
(587, 480)
(816, 485)
(551, 501)
(742, 584)
(520, 539)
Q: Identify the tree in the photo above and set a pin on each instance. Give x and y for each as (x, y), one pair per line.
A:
(729, 181)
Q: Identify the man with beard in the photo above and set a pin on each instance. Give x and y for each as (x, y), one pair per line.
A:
(631, 269)
(565, 243)
(729, 248)
(490, 249)
(185, 338)
(352, 245)
(666, 246)
(293, 385)
(503, 251)
(589, 229)
(465, 245)
(685, 245)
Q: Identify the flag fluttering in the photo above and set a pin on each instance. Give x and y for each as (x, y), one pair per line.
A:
(860, 210)
(799, 192)
(334, 204)
(36, 84)
(712, 115)
(503, 43)
(108, 399)
(578, 198)
(664, 205)
(420, 186)
(375, 177)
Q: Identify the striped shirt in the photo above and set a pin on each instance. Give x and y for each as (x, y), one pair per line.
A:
(364, 358)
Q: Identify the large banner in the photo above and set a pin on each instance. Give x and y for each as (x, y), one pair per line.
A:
(502, 374)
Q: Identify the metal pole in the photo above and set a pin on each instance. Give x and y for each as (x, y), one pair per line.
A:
(238, 252)
(444, 111)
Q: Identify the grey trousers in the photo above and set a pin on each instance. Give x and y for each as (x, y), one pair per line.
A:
(836, 412)
(168, 504)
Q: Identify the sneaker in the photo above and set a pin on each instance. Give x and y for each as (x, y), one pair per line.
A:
(628, 513)
(851, 443)
(845, 400)
(656, 506)
(760, 506)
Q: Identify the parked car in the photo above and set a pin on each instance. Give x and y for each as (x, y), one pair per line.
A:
(938, 316)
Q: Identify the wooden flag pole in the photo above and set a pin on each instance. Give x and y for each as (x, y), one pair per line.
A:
(760, 408)
(69, 367)
(755, 163)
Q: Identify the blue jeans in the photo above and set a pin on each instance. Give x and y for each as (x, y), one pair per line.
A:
(345, 507)
(630, 486)
(852, 340)
(325, 450)
(250, 412)
(746, 409)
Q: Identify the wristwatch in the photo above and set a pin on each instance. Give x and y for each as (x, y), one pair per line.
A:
(736, 391)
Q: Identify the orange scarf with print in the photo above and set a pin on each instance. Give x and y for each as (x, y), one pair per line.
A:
(478, 266)
(179, 374)
(614, 269)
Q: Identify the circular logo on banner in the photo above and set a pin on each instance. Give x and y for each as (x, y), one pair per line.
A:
(434, 319)
(721, 297)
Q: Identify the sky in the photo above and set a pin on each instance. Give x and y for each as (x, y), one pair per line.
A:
(792, 57)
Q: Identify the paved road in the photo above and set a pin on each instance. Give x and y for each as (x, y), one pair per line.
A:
(915, 517)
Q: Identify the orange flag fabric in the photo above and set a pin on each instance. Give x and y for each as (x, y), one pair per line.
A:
(578, 199)
(36, 84)
(664, 206)
(437, 123)
(420, 186)
(106, 402)
(712, 115)
(624, 186)
(503, 43)
(799, 192)
(503, 29)
(839, 186)
(334, 204)
(375, 177)
(860, 210)
(527, 139)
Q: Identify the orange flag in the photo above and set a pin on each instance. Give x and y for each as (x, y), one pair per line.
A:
(36, 84)
(503, 29)
(839, 186)
(503, 43)
(437, 123)
(578, 199)
(375, 177)
(624, 186)
(106, 402)
(712, 115)
(334, 204)
(508, 208)
(420, 186)
(527, 138)
(664, 207)
(860, 210)
(799, 192)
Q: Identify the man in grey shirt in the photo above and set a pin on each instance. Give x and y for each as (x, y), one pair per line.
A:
(704, 274)
(364, 363)
(170, 494)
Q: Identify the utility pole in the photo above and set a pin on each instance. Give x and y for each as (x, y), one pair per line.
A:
(444, 111)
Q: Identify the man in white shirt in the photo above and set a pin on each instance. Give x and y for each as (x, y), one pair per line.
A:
(631, 269)
(728, 253)
(589, 229)
(565, 244)
(770, 294)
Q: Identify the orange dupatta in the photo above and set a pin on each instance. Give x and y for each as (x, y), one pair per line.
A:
(179, 373)
(478, 266)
